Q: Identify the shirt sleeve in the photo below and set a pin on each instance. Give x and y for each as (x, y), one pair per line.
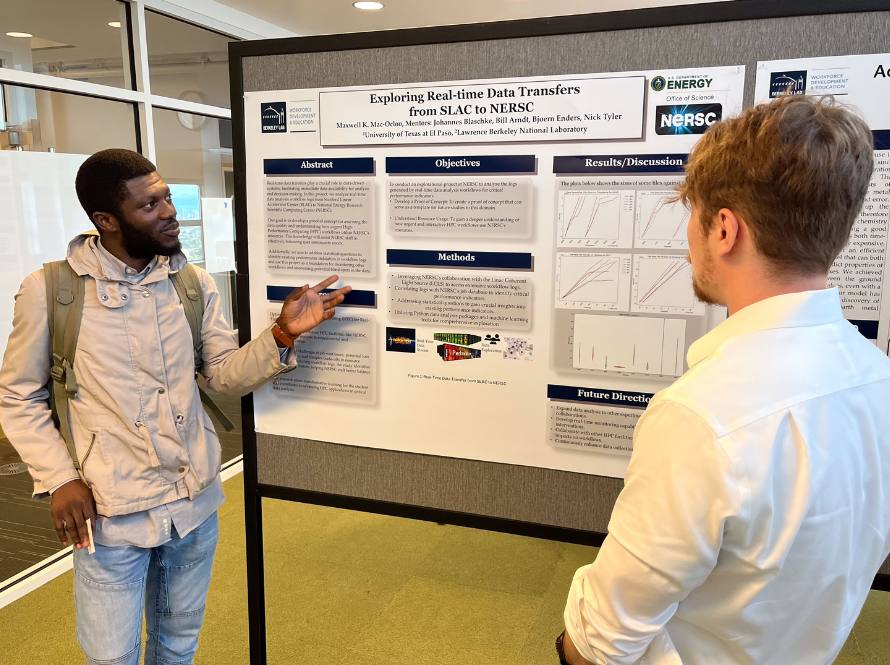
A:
(24, 392)
(232, 370)
(665, 534)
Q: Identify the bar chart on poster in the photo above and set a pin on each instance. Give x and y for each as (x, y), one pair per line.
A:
(630, 344)
(514, 246)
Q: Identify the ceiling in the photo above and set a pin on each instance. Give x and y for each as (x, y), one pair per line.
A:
(73, 38)
(79, 29)
(316, 17)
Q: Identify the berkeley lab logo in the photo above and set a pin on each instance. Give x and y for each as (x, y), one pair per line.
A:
(686, 118)
(782, 84)
(273, 117)
(658, 83)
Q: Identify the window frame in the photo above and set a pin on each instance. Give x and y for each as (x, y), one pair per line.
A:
(204, 14)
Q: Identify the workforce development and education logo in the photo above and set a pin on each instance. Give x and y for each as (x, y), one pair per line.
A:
(782, 84)
(273, 117)
(686, 118)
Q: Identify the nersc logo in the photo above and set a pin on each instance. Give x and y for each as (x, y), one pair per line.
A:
(273, 117)
(686, 119)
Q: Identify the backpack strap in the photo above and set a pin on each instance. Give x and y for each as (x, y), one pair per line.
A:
(64, 309)
(188, 287)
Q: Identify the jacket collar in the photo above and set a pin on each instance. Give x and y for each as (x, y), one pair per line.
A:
(87, 257)
(791, 310)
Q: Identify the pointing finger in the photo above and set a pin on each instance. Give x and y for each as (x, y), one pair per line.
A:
(325, 283)
(297, 293)
(330, 300)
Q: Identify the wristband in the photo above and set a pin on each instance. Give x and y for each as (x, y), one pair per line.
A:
(284, 338)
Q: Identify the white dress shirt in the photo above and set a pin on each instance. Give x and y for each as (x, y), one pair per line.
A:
(756, 507)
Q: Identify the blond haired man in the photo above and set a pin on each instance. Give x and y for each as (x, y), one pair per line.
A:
(754, 514)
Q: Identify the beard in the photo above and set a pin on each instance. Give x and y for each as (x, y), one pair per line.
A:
(703, 282)
(141, 245)
(702, 293)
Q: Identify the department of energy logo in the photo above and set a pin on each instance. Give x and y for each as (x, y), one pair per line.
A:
(782, 84)
(273, 117)
(659, 83)
(686, 118)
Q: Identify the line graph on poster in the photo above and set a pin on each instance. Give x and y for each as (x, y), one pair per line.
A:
(596, 218)
(629, 344)
(593, 281)
(662, 284)
(660, 221)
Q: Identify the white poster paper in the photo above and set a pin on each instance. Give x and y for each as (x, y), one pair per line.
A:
(518, 297)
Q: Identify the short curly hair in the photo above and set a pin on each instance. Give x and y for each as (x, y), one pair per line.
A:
(101, 181)
(796, 170)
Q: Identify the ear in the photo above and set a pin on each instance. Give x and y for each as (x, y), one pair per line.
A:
(726, 231)
(105, 222)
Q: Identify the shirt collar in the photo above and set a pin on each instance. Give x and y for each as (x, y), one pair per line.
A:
(790, 310)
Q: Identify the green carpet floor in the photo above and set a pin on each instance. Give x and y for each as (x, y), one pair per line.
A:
(351, 588)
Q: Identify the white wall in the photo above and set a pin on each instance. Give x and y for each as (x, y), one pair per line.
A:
(39, 216)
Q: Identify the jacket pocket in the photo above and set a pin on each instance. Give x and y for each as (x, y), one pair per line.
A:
(86, 455)
(207, 459)
(119, 471)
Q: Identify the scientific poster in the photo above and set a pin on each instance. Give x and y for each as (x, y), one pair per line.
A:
(863, 81)
(518, 258)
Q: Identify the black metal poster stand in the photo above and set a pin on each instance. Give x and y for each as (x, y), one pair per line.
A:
(738, 16)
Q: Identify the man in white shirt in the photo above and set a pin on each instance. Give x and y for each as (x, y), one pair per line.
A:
(755, 510)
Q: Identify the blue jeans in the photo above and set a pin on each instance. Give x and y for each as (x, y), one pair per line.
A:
(112, 586)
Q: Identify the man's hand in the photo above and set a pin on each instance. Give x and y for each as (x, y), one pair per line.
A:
(306, 307)
(571, 652)
(71, 506)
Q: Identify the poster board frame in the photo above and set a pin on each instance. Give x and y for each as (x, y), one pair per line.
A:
(255, 488)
